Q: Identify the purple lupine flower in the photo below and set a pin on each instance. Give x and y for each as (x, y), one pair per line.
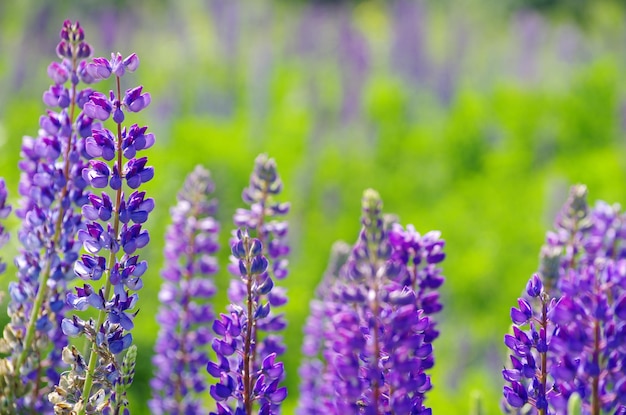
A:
(533, 332)
(584, 261)
(244, 382)
(590, 315)
(408, 50)
(422, 256)
(184, 315)
(313, 387)
(112, 234)
(51, 193)
(246, 343)
(354, 62)
(262, 220)
(376, 338)
(226, 16)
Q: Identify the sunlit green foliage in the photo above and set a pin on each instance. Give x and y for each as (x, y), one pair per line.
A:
(487, 164)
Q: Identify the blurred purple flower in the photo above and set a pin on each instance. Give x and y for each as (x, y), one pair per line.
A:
(408, 48)
(180, 356)
(354, 63)
(51, 191)
(368, 343)
(579, 344)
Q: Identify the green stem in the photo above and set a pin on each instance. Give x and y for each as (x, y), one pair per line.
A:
(260, 236)
(595, 385)
(376, 360)
(544, 355)
(372, 247)
(248, 356)
(595, 380)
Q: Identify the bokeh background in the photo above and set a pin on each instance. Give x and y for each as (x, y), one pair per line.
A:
(470, 117)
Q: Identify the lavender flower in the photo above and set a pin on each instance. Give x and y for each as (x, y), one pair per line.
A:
(113, 225)
(184, 316)
(51, 191)
(583, 324)
(376, 337)
(246, 366)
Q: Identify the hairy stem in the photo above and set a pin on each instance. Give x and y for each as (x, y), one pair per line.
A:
(544, 355)
(261, 237)
(248, 354)
(372, 247)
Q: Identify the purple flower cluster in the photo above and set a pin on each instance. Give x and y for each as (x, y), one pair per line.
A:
(52, 192)
(241, 380)
(313, 382)
(262, 220)
(111, 236)
(262, 217)
(368, 343)
(528, 374)
(581, 329)
(246, 367)
(185, 315)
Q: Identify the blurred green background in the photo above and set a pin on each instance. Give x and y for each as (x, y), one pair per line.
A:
(470, 117)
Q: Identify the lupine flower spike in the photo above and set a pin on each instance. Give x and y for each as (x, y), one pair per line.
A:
(51, 190)
(313, 386)
(581, 344)
(185, 315)
(111, 238)
(528, 374)
(376, 333)
(246, 366)
(263, 221)
(591, 315)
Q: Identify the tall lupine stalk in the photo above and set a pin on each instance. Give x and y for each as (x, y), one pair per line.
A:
(583, 354)
(185, 315)
(313, 385)
(246, 366)
(376, 334)
(528, 374)
(263, 221)
(97, 382)
(51, 190)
